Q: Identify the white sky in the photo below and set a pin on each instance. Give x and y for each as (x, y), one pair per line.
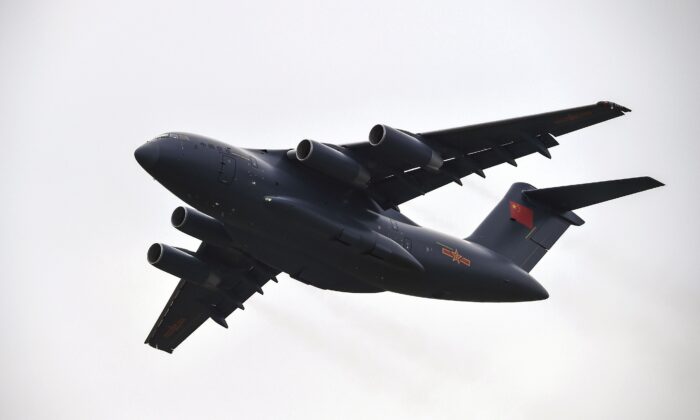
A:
(82, 84)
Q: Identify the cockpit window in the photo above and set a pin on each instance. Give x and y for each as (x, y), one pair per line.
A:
(167, 135)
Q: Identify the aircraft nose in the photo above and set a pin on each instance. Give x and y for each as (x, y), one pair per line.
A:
(147, 155)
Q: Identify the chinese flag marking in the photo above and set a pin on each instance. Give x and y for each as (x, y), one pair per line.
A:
(521, 214)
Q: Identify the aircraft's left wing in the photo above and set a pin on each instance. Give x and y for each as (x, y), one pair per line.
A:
(191, 304)
(471, 149)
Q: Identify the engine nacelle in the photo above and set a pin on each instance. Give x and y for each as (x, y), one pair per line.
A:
(332, 162)
(178, 263)
(404, 148)
(200, 226)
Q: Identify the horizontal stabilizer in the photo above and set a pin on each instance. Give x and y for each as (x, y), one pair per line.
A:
(574, 197)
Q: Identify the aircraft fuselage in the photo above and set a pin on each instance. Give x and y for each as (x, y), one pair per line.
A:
(324, 233)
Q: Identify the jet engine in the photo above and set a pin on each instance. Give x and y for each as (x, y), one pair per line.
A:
(408, 149)
(178, 262)
(332, 162)
(200, 226)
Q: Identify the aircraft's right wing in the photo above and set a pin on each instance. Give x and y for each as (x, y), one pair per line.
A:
(471, 149)
(191, 304)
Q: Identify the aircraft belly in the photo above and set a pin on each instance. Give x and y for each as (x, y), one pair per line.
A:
(317, 263)
(315, 248)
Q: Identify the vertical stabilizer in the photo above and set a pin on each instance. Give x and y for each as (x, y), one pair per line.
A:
(528, 221)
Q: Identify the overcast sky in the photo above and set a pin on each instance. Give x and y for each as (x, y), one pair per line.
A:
(83, 83)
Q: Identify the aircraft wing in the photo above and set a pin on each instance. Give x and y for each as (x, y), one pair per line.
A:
(191, 304)
(471, 149)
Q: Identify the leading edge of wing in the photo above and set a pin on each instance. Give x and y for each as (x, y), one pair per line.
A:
(555, 123)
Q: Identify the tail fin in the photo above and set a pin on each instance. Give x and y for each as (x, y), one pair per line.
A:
(528, 221)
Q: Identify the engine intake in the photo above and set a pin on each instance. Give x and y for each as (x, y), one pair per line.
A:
(178, 263)
(404, 148)
(332, 162)
(200, 226)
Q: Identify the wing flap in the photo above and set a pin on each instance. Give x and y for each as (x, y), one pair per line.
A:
(185, 311)
(394, 190)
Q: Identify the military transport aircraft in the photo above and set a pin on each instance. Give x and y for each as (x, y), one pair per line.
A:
(328, 216)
